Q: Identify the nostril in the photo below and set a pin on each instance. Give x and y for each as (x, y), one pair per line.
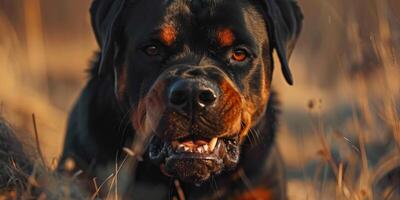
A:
(178, 97)
(207, 97)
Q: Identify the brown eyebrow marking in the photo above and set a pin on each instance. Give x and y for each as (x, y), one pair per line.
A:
(168, 34)
(225, 37)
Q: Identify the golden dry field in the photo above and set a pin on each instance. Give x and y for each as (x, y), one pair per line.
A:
(340, 124)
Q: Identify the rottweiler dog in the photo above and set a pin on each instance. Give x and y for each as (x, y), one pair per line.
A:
(194, 76)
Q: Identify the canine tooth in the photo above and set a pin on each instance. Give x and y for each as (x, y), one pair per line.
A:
(181, 148)
(200, 149)
(212, 143)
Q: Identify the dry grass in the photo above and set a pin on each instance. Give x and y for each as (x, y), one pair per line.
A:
(340, 130)
(13, 162)
(24, 176)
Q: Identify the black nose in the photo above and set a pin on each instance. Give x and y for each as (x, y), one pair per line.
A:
(184, 93)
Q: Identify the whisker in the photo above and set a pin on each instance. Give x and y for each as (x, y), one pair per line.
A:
(128, 112)
(257, 134)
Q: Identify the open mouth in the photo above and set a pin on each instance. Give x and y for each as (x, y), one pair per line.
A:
(195, 159)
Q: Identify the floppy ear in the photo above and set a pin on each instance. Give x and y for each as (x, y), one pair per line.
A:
(284, 22)
(105, 16)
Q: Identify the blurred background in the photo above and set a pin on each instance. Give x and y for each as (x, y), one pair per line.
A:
(339, 130)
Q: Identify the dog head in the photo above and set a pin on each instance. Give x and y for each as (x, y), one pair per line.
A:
(196, 72)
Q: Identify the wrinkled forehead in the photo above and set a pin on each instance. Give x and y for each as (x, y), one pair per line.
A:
(171, 19)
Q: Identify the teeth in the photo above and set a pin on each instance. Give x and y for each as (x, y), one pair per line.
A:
(180, 148)
(186, 148)
(205, 147)
(200, 149)
(212, 143)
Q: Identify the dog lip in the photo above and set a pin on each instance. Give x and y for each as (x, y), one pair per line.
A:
(182, 156)
(157, 150)
(160, 151)
(191, 165)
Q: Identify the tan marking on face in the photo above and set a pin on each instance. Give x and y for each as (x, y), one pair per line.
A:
(168, 34)
(261, 100)
(255, 103)
(149, 110)
(225, 37)
(232, 107)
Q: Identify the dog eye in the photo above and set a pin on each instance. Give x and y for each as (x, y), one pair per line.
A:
(151, 50)
(239, 55)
